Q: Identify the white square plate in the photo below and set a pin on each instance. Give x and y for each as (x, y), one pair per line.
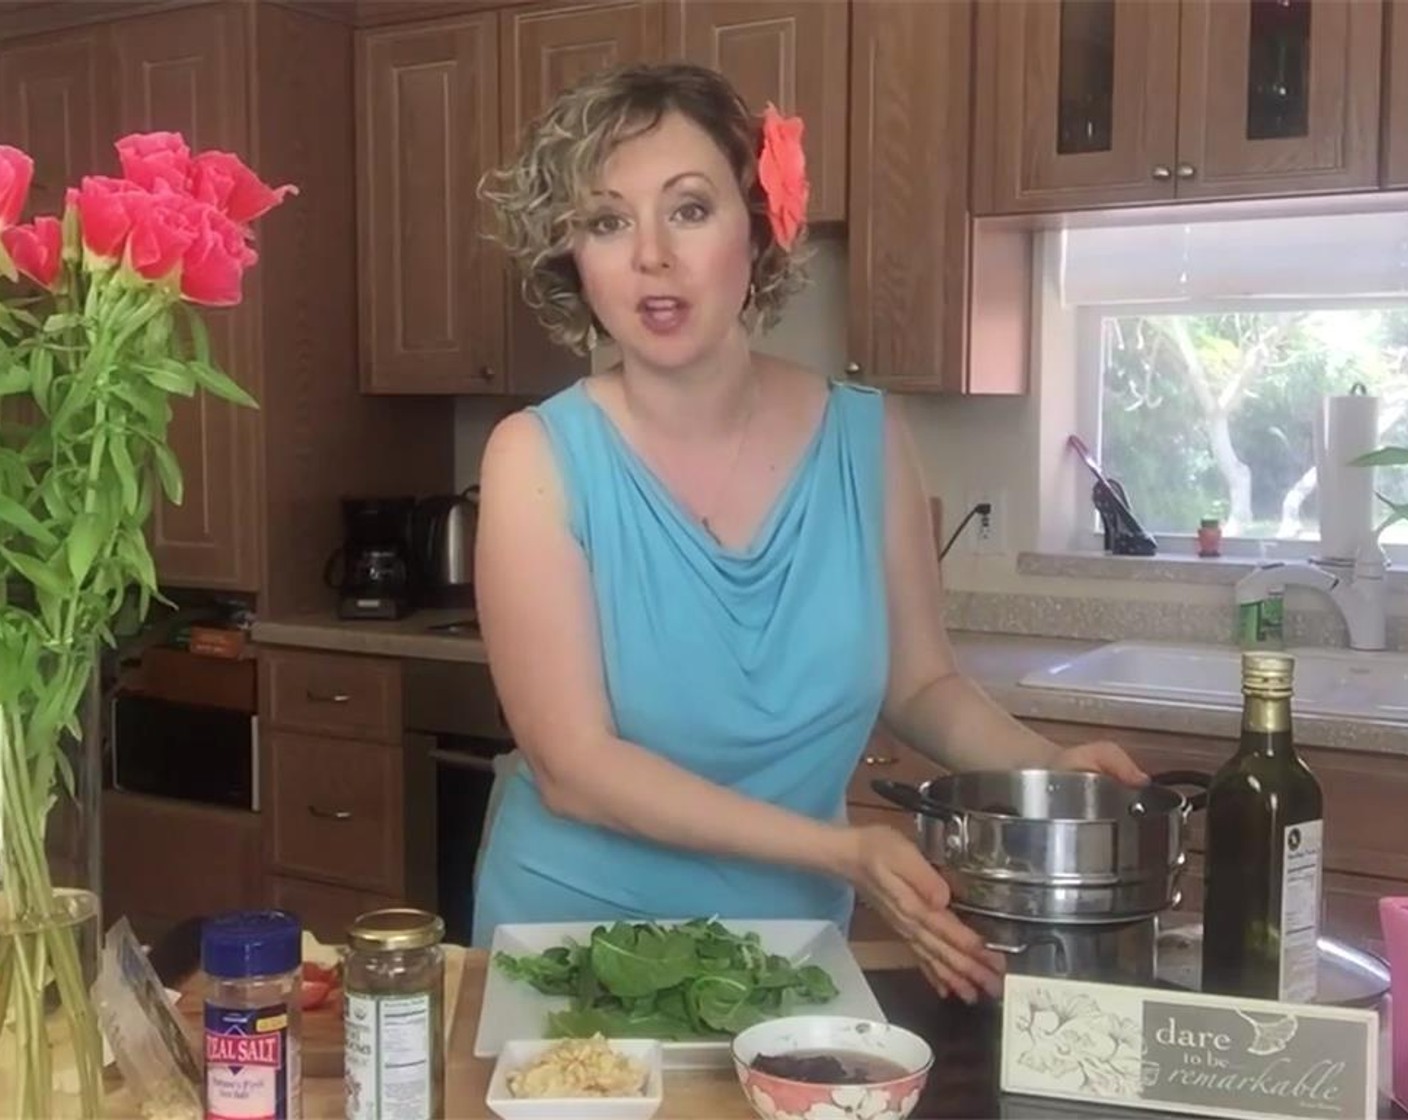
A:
(513, 1009)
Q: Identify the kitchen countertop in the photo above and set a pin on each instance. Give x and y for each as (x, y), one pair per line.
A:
(964, 1039)
(996, 661)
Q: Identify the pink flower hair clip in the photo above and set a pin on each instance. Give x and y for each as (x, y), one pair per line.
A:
(782, 171)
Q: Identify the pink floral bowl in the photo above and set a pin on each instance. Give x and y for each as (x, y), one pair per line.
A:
(899, 1059)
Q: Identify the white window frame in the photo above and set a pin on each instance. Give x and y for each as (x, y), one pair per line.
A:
(1089, 370)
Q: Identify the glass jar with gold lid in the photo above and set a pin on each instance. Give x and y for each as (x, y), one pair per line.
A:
(395, 1016)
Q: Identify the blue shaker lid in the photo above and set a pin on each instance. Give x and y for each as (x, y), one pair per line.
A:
(249, 943)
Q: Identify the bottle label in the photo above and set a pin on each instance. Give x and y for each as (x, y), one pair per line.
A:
(251, 1064)
(1300, 910)
(388, 1057)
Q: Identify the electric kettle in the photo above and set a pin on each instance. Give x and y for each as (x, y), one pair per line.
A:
(443, 536)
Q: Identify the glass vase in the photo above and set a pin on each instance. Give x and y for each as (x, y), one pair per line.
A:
(51, 1051)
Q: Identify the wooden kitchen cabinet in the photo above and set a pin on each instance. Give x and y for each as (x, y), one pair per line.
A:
(165, 862)
(1076, 103)
(544, 49)
(260, 511)
(937, 303)
(1395, 116)
(431, 286)
(54, 104)
(439, 104)
(1278, 99)
(1088, 103)
(793, 53)
(185, 71)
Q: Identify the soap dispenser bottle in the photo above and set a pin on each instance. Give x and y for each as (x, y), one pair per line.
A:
(1261, 619)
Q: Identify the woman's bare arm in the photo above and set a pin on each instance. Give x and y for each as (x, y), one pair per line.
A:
(538, 620)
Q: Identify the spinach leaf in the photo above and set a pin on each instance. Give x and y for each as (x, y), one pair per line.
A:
(696, 980)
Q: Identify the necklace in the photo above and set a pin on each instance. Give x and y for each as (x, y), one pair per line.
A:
(707, 518)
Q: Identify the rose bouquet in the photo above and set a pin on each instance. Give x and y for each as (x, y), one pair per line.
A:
(98, 329)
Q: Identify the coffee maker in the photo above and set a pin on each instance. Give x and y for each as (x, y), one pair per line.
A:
(372, 569)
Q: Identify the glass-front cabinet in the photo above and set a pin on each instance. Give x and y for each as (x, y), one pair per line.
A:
(1105, 102)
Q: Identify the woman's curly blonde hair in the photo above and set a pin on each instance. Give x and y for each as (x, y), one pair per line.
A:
(539, 197)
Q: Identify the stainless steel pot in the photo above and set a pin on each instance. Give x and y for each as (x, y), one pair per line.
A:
(1054, 845)
(1104, 952)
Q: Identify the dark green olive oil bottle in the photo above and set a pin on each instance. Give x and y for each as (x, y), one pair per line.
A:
(1261, 908)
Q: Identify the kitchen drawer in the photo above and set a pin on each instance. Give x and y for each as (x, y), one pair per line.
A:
(336, 811)
(886, 757)
(325, 911)
(332, 694)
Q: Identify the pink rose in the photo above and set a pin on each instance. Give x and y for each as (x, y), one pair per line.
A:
(36, 249)
(103, 214)
(223, 180)
(163, 228)
(782, 171)
(16, 173)
(213, 266)
(153, 160)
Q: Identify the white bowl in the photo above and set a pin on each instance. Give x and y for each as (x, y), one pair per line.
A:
(519, 1052)
(772, 1096)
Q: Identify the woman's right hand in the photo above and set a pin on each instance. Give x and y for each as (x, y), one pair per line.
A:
(893, 876)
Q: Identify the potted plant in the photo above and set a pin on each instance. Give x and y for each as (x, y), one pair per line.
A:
(1387, 457)
(98, 328)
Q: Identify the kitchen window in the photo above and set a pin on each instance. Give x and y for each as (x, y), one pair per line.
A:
(1204, 355)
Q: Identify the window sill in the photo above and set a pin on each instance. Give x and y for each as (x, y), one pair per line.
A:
(1172, 568)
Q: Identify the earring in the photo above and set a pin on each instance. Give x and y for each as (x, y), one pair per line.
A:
(592, 337)
(751, 295)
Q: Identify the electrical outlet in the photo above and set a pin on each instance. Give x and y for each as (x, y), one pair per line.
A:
(987, 537)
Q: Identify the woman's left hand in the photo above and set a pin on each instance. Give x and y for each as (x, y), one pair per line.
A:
(1104, 757)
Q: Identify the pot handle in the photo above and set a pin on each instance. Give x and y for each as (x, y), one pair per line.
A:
(1063, 964)
(910, 797)
(1196, 778)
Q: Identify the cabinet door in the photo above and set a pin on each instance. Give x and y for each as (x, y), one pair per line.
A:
(51, 106)
(1395, 122)
(1076, 103)
(53, 102)
(545, 49)
(935, 304)
(793, 53)
(187, 71)
(431, 289)
(1278, 97)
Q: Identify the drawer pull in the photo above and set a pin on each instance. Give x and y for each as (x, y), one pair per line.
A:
(880, 760)
(330, 814)
(328, 697)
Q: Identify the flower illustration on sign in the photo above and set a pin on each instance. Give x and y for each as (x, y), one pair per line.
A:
(1078, 1044)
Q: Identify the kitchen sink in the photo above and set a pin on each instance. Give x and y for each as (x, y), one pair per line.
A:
(1328, 682)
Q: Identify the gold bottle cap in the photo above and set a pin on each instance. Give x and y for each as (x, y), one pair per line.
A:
(1267, 674)
(396, 929)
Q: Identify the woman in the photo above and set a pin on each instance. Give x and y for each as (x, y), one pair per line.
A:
(703, 575)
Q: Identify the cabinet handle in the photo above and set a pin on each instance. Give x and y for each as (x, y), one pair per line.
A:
(853, 370)
(1186, 171)
(330, 814)
(328, 697)
(880, 760)
(1162, 173)
(486, 373)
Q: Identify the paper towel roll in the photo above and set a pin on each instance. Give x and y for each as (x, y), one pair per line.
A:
(1349, 428)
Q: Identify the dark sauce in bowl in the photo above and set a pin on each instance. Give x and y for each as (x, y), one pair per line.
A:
(830, 1067)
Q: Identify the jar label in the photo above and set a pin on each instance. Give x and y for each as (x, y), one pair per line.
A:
(388, 1051)
(251, 1064)
(1300, 910)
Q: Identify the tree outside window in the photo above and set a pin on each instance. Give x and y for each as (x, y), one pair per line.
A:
(1213, 414)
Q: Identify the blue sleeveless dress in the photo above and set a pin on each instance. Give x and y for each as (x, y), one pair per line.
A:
(761, 669)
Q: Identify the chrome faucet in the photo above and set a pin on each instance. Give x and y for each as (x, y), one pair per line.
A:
(1359, 595)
